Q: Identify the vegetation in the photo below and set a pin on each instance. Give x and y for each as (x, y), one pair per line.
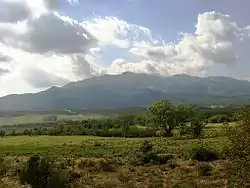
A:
(197, 127)
(202, 153)
(43, 173)
(166, 146)
(204, 169)
(238, 150)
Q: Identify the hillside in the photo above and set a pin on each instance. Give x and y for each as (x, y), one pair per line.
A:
(130, 90)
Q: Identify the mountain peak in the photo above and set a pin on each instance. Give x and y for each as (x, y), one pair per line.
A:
(118, 91)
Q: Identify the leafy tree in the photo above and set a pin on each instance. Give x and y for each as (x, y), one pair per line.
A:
(2, 133)
(184, 114)
(197, 126)
(126, 119)
(141, 119)
(106, 124)
(238, 149)
(27, 132)
(13, 133)
(163, 116)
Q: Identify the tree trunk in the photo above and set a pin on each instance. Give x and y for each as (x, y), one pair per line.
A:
(168, 133)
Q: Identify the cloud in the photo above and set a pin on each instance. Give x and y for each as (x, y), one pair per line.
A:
(44, 48)
(51, 4)
(51, 33)
(40, 79)
(3, 71)
(13, 11)
(4, 58)
(121, 65)
(113, 31)
(82, 67)
(216, 40)
(73, 2)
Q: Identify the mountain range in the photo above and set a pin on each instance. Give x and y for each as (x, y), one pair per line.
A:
(130, 90)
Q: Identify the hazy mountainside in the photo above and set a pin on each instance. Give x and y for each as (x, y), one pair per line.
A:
(129, 89)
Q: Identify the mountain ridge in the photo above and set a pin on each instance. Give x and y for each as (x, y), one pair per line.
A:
(129, 90)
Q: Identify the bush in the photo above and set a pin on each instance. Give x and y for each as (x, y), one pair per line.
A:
(155, 158)
(42, 173)
(203, 154)
(172, 164)
(204, 169)
(197, 127)
(219, 119)
(98, 164)
(238, 150)
(146, 146)
(4, 167)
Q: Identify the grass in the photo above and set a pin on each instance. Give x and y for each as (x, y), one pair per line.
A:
(82, 150)
(95, 146)
(28, 119)
(21, 120)
(98, 173)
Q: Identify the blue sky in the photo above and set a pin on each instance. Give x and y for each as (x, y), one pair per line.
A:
(46, 43)
(166, 18)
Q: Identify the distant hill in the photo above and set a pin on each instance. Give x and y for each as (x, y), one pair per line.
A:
(130, 90)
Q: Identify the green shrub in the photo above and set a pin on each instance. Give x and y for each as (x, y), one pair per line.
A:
(43, 173)
(219, 119)
(146, 146)
(172, 164)
(155, 158)
(97, 144)
(4, 167)
(204, 169)
(203, 154)
(197, 127)
(98, 164)
(238, 150)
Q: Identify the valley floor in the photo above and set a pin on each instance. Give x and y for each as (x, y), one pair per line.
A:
(178, 172)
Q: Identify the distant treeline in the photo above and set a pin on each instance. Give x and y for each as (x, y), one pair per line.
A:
(72, 111)
(127, 124)
(205, 109)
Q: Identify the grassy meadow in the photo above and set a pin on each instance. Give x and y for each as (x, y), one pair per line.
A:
(122, 151)
(32, 119)
(180, 171)
(88, 146)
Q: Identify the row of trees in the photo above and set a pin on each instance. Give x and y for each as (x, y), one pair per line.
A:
(160, 119)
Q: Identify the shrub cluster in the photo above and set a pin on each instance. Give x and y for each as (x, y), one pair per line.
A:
(43, 173)
(204, 169)
(98, 164)
(202, 153)
(146, 155)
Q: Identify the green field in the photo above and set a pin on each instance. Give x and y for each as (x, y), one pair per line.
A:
(29, 119)
(79, 148)
(89, 156)
(95, 146)
(111, 147)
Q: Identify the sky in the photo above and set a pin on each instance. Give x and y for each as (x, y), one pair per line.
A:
(45, 43)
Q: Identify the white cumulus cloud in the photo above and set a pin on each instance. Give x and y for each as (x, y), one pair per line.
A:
(217, 40)
(40, 48)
